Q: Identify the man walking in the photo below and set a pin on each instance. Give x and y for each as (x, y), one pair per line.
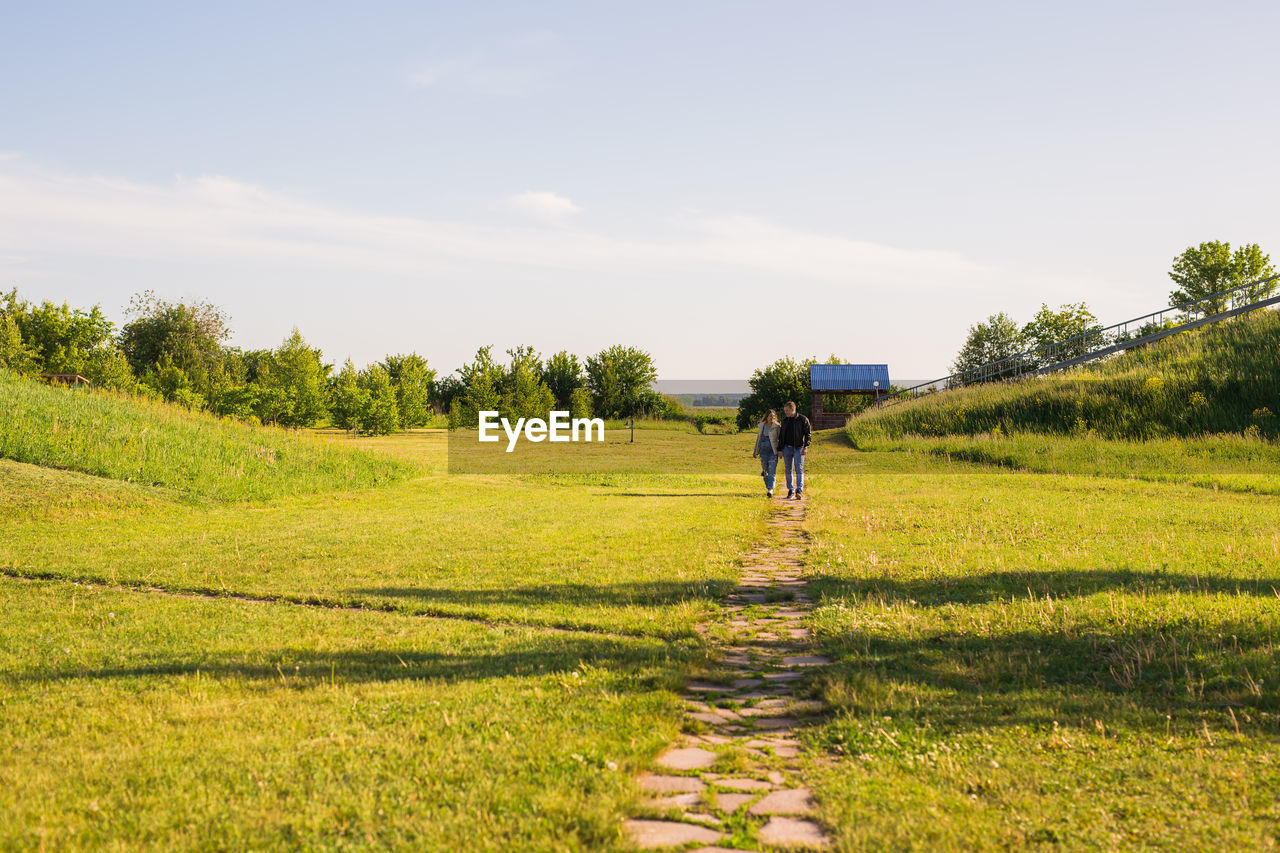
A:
(793, 436)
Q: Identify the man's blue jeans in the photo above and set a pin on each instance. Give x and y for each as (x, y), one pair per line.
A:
(794, 458)
(768, 466)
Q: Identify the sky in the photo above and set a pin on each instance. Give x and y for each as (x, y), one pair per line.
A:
(718, 183)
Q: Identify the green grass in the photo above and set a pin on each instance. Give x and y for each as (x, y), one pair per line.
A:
(1074, 645)
(1222, 378)
(1039, 661)
(144, 721)
(157, 444)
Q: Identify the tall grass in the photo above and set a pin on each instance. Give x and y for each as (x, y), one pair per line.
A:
(1221, 379)
(158, 444)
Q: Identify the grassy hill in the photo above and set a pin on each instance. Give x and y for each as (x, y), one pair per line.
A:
(1221, 379)
(157, 444)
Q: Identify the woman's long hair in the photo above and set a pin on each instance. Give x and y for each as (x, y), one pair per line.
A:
(770, 417)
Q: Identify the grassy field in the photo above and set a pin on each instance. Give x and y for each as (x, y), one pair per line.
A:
(1039, 642)
(1044, 661)
(277, 672)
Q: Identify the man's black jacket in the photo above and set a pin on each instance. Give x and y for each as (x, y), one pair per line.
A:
(795, 432)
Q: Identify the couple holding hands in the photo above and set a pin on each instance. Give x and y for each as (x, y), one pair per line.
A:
(788, 438)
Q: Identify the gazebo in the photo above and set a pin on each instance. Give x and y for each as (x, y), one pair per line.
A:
(843, 380)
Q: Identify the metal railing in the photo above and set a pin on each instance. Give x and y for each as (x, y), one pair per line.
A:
(1100, 342)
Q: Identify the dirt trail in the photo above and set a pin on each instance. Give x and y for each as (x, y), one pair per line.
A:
(752, 714)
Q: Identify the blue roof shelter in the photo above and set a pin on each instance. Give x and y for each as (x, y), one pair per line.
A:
(825, 380)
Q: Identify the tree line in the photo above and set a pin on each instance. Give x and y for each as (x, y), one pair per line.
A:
(178, 352)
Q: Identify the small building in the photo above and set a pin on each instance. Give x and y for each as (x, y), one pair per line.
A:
(74, 380)
(843, 381)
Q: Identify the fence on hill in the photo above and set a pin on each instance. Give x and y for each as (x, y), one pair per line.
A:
(1101, 342)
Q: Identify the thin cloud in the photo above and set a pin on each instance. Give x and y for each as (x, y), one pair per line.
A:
(45, 215)
(547, 206)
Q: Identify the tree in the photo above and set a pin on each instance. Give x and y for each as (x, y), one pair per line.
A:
(619, 379)
(15, 355)
(347, 400)
(55, 338)
(773, 386)
(413, 380)
(1202, 271)
(563, 375)
(292, 380)
(192, 335)
(1073, 320)
(379, 414)
(997, 338)
(479, 389)
(524, 394)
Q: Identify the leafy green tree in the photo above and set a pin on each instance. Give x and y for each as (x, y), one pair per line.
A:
(524, 394)
(1048, 326)
(479, 389)
(580, 403)
(173, 384)
(191, 335)
(292, 383)
(15, 355)
(619, 379)
(772, 386)
(106, 367)
(563, 375)
(347, 399)
(413, 379)
(379, 414)
(57, 338)
(998, 337)
(1212, 267)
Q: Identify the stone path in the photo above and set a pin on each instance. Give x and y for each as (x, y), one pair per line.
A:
(731, 778)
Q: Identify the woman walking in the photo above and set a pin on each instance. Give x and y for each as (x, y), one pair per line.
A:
(767, 439)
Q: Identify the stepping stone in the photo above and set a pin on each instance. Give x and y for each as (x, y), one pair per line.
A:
(806, 660)
(655, 784)
(770, 723)
(679, 801)
(687, 758)
(708, 717)
(702, 817)
(777, 777)
(742, 683)
(800, 634)
(652, 834)
(787, 801)
(743, 784)
(793, 832)
(704, 687)
(783, 676)
(717, 850)
(731, 802)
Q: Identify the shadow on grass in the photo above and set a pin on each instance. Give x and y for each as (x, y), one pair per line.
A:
(643, 594)
(1142, 666)
(995, 586)
(632, 665)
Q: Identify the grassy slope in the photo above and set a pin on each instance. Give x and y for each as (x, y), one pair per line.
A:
(161, 445)
(1213, 380)
(1039, 661)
